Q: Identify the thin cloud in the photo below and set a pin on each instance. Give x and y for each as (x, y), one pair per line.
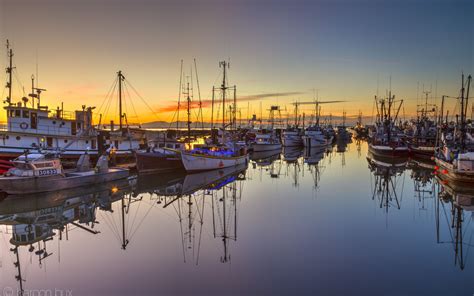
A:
(172, 106)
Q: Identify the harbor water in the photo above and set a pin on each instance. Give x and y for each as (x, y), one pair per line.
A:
(326, 222)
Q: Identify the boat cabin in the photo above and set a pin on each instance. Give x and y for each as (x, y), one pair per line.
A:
(35, 165)
(23, 119)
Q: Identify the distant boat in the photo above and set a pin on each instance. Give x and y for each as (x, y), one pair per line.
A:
(266, 139)
(422, 135)
(387, 140)
(291, 136)
(315, 136)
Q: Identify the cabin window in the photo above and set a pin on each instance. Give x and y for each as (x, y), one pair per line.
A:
(23, 237)
(49, 141)
(87, 141)
(18, 138)
(17, 113)
(78, 125)
(7, 137)
(116, 144)
(94, 144)
(26, 114)
(169, 146)
(161, 145)
(73, 128)
(34, 120)
(176, 146)
(54, 121)
(65, 141)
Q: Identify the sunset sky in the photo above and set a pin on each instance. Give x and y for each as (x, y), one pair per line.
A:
(279, 51)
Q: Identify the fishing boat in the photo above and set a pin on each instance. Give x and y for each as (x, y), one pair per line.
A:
(224, 153)
(266, 139)
(422, 135)
(291, 136)
(34, 127)
(388, 139)
(454, 155)
(360, 130)
(37, 173)
(342, 133)
(315, 136)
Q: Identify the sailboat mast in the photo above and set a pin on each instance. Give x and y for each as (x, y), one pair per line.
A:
(212, 109)
(224, 64)
(9, 72)
(189, 112)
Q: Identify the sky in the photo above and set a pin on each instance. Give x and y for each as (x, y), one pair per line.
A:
(279, 51)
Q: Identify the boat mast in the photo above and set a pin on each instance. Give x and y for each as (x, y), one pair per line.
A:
(464, 104)
(9, 72)
(188, 99)
(120, 78)
(224, 65)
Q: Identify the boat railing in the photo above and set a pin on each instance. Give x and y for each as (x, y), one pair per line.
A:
(58, 130)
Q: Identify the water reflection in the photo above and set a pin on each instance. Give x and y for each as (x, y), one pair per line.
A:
(388, 180)
(197, 218)
(33, 220)
(455, 208)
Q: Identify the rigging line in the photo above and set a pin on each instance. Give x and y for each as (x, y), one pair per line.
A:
(127, 81)
(132, 224)
(21, 88)
(109, 102)
(133, 106)
(125, 107)
(179, 97)
(199, 95)
(111, 225)
(111, 88)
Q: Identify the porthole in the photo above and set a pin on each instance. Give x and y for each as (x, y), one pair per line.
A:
(7, 137)
(65, 141)
(18, 138)
(54, 121)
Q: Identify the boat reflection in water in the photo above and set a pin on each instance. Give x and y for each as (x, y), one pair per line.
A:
(190, 194)
(422, 176)
(387, 172)
(33, 220)
(292, 153)
(455, 207)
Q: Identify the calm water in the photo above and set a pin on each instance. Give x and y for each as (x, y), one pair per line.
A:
(330, 223)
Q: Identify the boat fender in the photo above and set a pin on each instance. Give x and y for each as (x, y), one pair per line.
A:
(23, 125)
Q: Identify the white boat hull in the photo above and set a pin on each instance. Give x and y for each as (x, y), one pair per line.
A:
(199, 162)
(315, 142)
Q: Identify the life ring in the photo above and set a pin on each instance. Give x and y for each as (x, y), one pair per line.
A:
(24, 125)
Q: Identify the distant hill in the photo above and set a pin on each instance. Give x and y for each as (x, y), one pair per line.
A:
(165, 124)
